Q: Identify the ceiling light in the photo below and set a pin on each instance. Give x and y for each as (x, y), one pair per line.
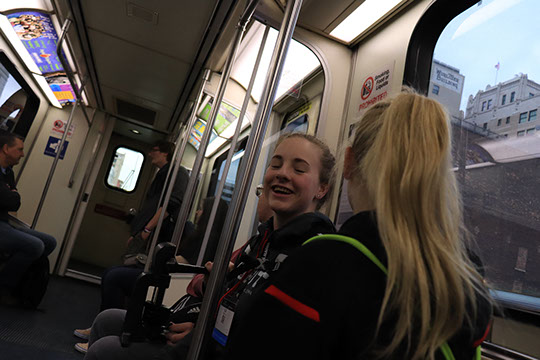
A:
(135, 131)
(362, 18)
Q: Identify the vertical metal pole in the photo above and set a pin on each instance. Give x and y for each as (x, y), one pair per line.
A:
(232, 221)
(53, 167)
(177, 160)
(190, 191)
(234, 141)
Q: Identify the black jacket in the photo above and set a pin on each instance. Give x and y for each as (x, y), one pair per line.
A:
(10, 200)
(151, 201)
(325, 302)
(271, 248)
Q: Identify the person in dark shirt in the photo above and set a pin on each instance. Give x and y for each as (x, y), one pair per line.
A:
(22, 245)
(420, 296)
(146, 220)
(118, 282)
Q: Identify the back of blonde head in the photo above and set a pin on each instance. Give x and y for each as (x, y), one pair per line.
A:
(402, 150)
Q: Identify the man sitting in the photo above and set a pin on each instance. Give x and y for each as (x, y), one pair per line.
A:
(23, 245)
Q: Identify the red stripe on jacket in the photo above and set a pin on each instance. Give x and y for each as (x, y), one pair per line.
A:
(294, 304)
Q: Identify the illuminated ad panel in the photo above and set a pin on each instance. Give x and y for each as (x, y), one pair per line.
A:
(226, 116)
(36, 32)
(197, 134)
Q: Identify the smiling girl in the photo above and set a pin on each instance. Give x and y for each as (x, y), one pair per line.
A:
(296, 184)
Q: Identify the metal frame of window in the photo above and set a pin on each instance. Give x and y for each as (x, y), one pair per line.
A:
(105, 179)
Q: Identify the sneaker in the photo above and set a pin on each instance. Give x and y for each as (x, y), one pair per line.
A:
(82, 333)
(81, 347)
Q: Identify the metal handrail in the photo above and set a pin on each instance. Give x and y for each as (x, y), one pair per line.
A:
(190, 191)
(172, 174)
(233, 144)
(216, 280)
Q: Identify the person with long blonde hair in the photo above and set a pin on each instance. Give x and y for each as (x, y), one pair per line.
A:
(406, 288)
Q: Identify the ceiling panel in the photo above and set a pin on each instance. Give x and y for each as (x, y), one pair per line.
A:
(137, 70)
(180, 23)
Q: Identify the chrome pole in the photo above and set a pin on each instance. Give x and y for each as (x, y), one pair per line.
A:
(177, 160)
(53, 167)
(232, 221)
(190, 191)
(234, 142)
(66, 67)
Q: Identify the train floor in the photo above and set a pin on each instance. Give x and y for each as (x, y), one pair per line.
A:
(47, 332)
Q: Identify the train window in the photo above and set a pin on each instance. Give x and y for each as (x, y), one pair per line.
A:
(300, 62)
(217, 172)
(18, 103)
(496, 164)
(124, 170)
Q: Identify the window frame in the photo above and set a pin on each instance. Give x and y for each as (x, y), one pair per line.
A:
(107, 185)
(417, 74)
(535, 111)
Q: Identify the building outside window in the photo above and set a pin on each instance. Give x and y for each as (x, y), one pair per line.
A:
(499, 122)
(483, 106)
(508, 120)
(435, 89)
(521, 133)
(531, 95)
(485, 126)
(532, 115)
(530, 131)
(504, 99)
(522, 117)
(512, 96)
(490, 102)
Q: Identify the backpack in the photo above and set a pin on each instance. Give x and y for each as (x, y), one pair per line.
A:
(445, 348)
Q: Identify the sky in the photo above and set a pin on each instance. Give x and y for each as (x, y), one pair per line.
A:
(503, 32)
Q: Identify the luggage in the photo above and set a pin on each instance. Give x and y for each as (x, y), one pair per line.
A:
(33, 284)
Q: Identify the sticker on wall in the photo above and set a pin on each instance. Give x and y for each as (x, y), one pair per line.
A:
(52, 147)
(376, 87)
(59, 127)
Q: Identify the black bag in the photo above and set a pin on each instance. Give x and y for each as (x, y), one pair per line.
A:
(33, 284)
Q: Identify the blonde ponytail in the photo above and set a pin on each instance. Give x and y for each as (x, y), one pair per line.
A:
(402, 148)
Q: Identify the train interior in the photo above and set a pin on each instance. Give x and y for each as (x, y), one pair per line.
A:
(91, 85)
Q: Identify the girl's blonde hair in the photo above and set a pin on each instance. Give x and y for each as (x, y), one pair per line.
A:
(402, 151)
(328, 162)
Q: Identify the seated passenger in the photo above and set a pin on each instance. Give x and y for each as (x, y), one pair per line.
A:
(22, 245)
(296, 184)
(331, 301)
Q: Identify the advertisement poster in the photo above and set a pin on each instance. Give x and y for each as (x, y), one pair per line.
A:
(226, 116)
(197, 134)
(36, 32)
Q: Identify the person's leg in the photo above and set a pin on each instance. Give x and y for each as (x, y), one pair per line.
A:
(104, 342)
(108, 322)
(49, 241)
(25, 249)
(110, 348)
(118, 283)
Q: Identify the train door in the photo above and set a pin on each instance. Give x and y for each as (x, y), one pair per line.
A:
(120, 186)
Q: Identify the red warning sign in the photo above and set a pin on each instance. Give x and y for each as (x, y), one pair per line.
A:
(367, 88)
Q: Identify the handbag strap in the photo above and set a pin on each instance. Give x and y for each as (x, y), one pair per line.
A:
(445, 348)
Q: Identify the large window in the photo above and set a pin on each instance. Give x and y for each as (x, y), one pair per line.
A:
(18, 103)
(124, 170)
(497, 166)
